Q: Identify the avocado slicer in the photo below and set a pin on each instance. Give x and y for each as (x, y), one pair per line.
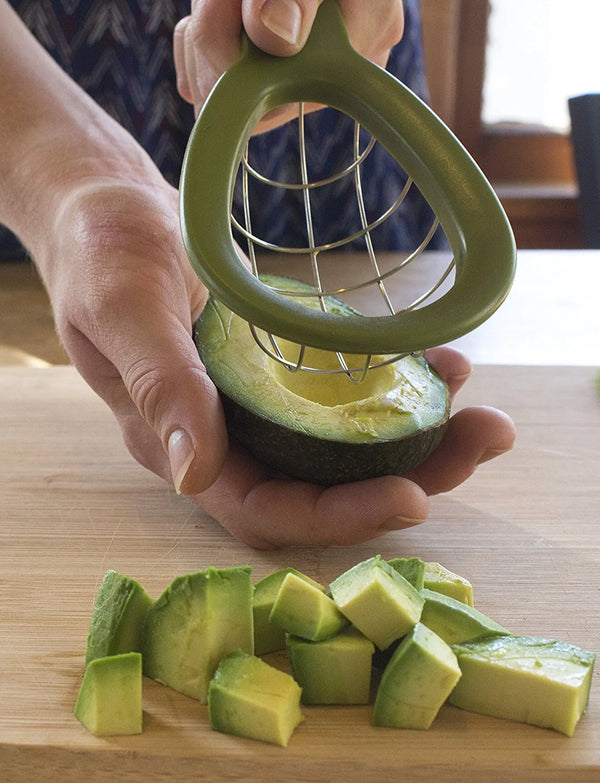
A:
(329, 72)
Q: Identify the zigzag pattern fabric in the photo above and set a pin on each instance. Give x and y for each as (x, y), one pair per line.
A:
(329, 144)
(121, 54)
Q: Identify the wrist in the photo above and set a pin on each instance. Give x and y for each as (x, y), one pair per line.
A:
(63, 158)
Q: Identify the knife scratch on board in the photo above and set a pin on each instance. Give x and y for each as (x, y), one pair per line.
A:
(110, 543)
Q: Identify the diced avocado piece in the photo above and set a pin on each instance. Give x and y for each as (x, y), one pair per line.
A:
(198, 619)
(455, 621)
(334, 671)
(416, 682)
(117, 620)
(110, 696)
(249, 698)
(439, 578)
(319, 426)
(269, 637)
(305, 610)
(538, 681)
(382, 604)
(411, 568)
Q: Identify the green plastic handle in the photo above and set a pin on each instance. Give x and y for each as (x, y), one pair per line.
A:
(329, 71)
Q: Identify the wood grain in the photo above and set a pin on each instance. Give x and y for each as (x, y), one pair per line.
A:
(73, 503)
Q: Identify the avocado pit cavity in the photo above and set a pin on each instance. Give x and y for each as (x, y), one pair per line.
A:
(330, 388)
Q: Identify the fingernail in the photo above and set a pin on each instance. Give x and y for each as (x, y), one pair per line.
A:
(398, 523)
(284, 18)
(181, 454)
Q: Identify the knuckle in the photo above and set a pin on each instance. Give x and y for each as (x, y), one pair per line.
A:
(148, 389)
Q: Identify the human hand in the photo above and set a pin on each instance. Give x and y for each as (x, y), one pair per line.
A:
(208, 41)
(124, 298)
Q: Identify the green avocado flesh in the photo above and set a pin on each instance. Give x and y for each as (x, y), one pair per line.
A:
(416, 682)
(321, 427)
(454, 620)
(373, 635)
(250, 698)
(377, 600)
(538, 681)
(437, 577)
(411, 568)
(268, 636)
(302, 609)
(110, 695)
(198, 619)
(336, 670)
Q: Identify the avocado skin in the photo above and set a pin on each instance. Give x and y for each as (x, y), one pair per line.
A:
(326, 462)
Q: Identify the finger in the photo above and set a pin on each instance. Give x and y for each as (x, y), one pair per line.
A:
(473, 436)
(167, 383)
(281, 27)
(179, 56)
(374, 27)
(267, 513)
(451, 365)
(212, 43)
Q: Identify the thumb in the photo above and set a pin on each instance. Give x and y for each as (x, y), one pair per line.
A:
(173, 394)
(149, 373)
(280, 27)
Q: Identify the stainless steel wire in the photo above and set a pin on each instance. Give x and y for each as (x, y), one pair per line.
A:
(357, 368)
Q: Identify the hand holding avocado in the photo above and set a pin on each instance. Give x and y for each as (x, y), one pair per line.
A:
(266, 511)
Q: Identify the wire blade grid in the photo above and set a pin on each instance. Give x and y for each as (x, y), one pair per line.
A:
(306, 201)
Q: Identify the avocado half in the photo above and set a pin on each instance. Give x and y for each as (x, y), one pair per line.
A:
(316, 427)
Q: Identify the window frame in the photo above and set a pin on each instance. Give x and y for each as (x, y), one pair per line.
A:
(531, 167)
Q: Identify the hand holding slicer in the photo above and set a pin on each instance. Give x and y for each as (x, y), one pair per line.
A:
(329, 71)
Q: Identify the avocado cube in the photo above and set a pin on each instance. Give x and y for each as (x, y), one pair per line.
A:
(416, 682)
(249, 698)
(117, 621)
(268, 636)
(522, 678)
(411, 568)
(438, 577)
(305, 610)
(110, 696)
(333, 671)
(198, 619)
(379, 602)
(455, 621)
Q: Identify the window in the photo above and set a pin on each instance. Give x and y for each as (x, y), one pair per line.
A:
(539, 53)
(473, 45)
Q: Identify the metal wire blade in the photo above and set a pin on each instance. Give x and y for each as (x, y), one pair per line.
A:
(375, 276)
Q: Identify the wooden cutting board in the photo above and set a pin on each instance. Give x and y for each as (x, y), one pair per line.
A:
(524, 529)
